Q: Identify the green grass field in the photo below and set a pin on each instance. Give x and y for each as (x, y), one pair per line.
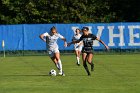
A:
(29, 74)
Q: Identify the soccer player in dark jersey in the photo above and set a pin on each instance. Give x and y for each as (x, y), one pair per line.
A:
(87, 50)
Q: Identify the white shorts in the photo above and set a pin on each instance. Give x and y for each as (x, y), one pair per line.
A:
(78, 48)
(51, 52)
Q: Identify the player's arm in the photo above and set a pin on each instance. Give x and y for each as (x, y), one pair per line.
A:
(73, 39)
(44, 35)
(81, 43)
(102, 43)
(73, 42)
(65, 41)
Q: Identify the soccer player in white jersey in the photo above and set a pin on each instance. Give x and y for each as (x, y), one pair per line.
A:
(77, 46)
(53, 51)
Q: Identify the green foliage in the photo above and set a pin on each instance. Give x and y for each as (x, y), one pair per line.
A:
(68, 11)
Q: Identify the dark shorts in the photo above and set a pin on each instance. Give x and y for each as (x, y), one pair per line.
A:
(87, 50)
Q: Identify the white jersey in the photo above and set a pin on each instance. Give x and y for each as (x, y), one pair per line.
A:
(77, 46)
(52, 40)
(76, 37)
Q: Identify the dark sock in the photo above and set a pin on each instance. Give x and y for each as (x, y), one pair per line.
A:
(86, 68)
(92, 66)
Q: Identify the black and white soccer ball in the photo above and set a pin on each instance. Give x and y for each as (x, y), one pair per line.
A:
(52, 72)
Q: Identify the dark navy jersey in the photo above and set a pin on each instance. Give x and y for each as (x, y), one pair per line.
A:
(88, 40)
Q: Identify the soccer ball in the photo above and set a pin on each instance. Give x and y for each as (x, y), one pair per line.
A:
(52, 72)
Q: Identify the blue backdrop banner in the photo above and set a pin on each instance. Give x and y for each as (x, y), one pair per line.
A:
(26, 36)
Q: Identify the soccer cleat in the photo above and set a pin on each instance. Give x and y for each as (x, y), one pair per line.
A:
(61, 73)
(89, 74)
(78, 64)
(86, 68)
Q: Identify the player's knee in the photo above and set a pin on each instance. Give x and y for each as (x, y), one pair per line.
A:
(90, 62)
(57, 58)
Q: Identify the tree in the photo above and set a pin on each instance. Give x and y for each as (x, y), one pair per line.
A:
(68, 11)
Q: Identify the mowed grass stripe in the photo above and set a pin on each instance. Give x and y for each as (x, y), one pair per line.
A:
(29, 74)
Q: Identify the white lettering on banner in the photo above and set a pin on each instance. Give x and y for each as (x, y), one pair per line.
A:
(132, 35)
(121, 29)
(112, 36)
(99, 33)
(120, 35)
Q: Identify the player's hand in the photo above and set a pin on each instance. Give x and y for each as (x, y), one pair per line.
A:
(107, 48)
(69, 44)
(65, 44)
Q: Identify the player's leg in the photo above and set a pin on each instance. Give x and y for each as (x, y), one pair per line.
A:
(89, 59)
(52, 56)
(84, 58)
(78, 54)
(57, 56)
(55, 62)
(77, 57)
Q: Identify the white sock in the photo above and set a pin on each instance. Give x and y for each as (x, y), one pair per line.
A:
(57, 65)
(60, 65)
(78, 60)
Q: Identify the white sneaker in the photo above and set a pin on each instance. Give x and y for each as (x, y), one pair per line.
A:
(61, 73)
